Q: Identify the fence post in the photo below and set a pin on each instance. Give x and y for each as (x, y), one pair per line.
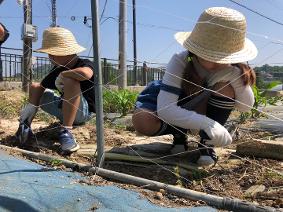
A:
(105, 71)
(144, 73)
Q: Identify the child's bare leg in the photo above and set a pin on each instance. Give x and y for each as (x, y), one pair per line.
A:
(35, 93)
(71, 103)
(146, 122)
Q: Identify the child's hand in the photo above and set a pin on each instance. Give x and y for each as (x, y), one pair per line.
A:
(219, 136)
(59, 83)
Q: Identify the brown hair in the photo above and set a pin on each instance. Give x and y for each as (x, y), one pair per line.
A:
(248, 74)
(192, 83)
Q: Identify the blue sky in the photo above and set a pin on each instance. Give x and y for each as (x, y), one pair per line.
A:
(154, 42)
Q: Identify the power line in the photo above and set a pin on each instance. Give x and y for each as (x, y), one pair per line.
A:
(103, 10)
(262, 15)
(145, 25)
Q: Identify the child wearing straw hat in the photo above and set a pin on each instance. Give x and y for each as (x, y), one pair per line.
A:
(201, 85)
(72, 77)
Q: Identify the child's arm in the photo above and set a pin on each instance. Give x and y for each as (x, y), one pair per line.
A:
(243, 93)
(80, 74)
(167, 108)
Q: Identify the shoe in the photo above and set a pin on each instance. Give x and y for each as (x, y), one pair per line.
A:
(180, 144)
(24, 133)
(67, 141)
(207, 154)
(207, 157)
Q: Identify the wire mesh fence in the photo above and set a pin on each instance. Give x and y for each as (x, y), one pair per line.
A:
(11, 66)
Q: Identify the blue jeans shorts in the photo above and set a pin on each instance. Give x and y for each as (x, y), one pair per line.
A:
(51, 103)
(147, 99)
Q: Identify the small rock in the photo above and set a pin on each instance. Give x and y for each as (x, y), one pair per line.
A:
(171, 197)
(162, 191)
(158, 196)
(254, 189)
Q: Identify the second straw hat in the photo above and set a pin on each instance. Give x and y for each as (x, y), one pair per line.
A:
(60, 42)
(219, 36)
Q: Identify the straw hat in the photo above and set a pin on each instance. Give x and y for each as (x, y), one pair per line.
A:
(59, 41)
(219, 36)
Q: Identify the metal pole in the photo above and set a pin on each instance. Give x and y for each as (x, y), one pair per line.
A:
(122, 80)
(135, 41)
(54, 14)
(27, 48)
(97, 82)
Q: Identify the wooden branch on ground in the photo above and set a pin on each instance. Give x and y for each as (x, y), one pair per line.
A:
(262, 149)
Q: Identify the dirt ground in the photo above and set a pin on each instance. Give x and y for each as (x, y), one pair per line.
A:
(232, 176)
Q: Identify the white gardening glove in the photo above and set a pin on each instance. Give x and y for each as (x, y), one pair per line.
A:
(27, 114)
(59, 83)
(219, 136)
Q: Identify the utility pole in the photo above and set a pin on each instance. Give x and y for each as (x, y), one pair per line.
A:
(54, 13)
(122, 80)
(27, 48)
(134, 41)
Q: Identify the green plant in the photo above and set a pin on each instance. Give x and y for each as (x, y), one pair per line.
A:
(199, 174)
(55, 162)
(272, 84)
(244, 116)
(260, 100)
(178, 176)
(120, 101)
(24, 100)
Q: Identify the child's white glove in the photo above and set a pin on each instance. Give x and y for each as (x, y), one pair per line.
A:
(219, 136)
(27, 113)
(59, 83)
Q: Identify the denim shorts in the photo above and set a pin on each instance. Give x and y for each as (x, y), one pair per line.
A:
(147, 99)
(51, 103)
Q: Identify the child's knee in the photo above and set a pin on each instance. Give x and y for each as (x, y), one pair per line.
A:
(145, 122)
(224, 89)
(70, 82)
(34, 86)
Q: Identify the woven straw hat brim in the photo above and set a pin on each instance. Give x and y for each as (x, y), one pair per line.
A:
(248, 52)
(59, 51)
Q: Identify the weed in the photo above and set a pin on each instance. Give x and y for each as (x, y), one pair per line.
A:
(273, 175)
(120, 101)
(261, 100)
(199, 174)
(55, 162)
(178, 176)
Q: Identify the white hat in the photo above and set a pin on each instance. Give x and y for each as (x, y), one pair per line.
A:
(219, 36)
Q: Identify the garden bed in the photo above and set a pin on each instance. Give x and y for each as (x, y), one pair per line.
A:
(252, 179)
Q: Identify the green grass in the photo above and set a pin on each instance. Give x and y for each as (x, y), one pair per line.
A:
(10, 104)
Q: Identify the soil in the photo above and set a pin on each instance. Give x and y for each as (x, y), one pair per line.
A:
(231, 177)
